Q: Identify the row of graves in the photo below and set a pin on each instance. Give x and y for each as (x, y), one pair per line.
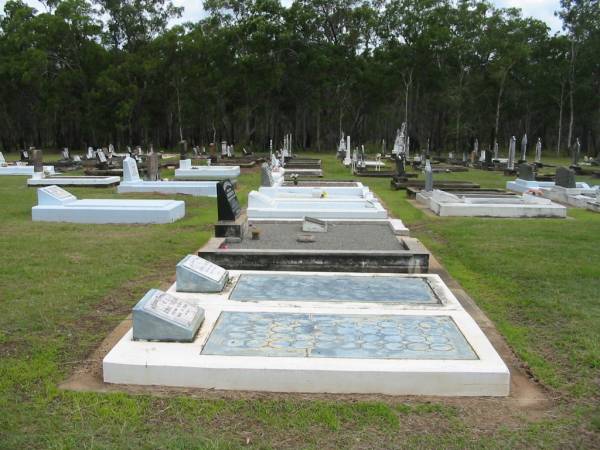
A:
(225, 157)
(313, 288)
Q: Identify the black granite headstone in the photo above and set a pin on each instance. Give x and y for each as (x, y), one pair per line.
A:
(526, 172)
(565, 177)
(24, 155)
(489, 158)
(227, 202)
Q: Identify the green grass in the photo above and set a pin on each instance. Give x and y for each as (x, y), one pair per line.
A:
(64, 287)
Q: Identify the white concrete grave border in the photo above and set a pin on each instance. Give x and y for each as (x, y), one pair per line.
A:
(179, 364)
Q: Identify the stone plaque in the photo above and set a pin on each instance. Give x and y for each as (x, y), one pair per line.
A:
(195, 274)
(162, 317)
(54, 195)
(227, 202)
(313, 225)
(526, 172)
(565, 177)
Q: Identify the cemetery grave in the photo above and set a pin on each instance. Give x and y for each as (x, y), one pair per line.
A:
(133, 183)
(307, 332)
(187, 171)
(57, 205)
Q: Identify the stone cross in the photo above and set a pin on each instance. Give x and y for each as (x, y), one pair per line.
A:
(524, 148)
(512, 148)
(538, 150)
(428, 177)
(565, 178)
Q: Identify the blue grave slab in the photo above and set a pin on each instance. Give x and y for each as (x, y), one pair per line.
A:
(340, 288)
(268, 334)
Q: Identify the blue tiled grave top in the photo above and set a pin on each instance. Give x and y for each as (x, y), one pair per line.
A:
(376, 289)
(268, 334)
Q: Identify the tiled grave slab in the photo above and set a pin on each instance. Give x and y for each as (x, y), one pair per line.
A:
(337, 336)
(335, 288)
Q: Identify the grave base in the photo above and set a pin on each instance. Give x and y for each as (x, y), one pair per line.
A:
(232, 228)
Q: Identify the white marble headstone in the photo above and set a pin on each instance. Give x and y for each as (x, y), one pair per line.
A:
(130, 170)
(54, 195)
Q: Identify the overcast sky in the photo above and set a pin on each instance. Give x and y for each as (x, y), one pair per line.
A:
(540, 9)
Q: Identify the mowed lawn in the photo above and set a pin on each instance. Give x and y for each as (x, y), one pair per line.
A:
(64, 287)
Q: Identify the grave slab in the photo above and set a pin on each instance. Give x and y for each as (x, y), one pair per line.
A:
(57, 205)
(448, 204)
(132, 183)
(74, 181)
(187, 171)
(20, 170)
(346, 246)
(522, 186)
(330, 347)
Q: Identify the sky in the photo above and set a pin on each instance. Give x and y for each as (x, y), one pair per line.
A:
(540, 9)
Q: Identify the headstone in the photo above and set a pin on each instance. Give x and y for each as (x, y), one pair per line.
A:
(524, 148)
(495, 149)
(576, 152)
(130, 170)
(400, 166)
(266, 176)
(510, 165)
(65, 154)
(428, 177)
(162, 317)
(111, 149)
(101, 157)
(565, 178)
(25, 155)
(538, 151)
(183, 149)
(153, 167)
(526, 172)
(77, 158)
(195, 274)
(38, 160)
(347, 159)
(54, 195)
(476, 147)
(223, 148)
(313, 225)
(185, 164)
(227, 203)
(488, 158)
(2, 160)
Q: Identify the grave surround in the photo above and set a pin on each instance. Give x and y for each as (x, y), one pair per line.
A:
(286, 346)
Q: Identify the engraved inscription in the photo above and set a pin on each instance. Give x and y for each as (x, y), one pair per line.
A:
(171, 308)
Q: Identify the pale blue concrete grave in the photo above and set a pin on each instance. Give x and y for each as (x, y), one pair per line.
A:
(268, 334)
(335, 288)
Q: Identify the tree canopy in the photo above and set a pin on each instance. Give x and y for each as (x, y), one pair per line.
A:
(92, 72)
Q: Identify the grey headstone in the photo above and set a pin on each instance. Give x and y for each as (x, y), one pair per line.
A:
(565, 177)
(428, 177)
(526, 172)
(183, 149)
(510, 165)
(162, 317)
(266, 176)
(400, 165)
(195, 274)
(153, 167)
(38, 160)
(312, 225)
(575, 151)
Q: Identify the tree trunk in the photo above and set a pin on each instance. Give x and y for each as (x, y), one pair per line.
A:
(571, 89)
(560, 115)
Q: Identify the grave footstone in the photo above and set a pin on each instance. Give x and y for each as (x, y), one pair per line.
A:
(232, 223)
(526, 172)
(565, 178)
(195, 274)
(54, 195)
(159, 316)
